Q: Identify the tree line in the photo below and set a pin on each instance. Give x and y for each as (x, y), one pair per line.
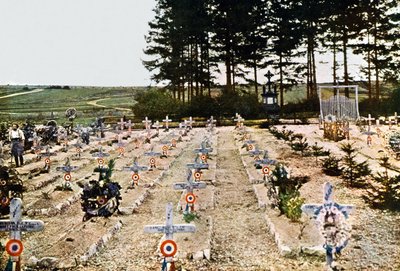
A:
(190, 41)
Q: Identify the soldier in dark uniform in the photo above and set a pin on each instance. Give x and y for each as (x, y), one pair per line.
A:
(17, 138)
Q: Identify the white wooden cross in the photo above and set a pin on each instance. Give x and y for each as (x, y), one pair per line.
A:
(100, 156)
(147, 123)
(169, 228)
(166, 120)
(211, 122)
(395, 118)
(239, 120)
(130, 124)
(157, 125)
(122, 124)
(16, 225)
(189, 185)
(390, 122)
(190, 122)
(330, 219)
(369, 122)
(135, 168)
(369, 119)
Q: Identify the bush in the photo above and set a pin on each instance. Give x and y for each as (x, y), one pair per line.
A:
(301, 146)
(246, 104)
(291, 205)
(353, 173)
(330, 166)
(202, 106)
(156, 104)
(286, 190)
(318, 151)
(386, 192)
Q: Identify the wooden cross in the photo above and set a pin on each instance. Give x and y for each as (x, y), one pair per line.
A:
(122, 124)
(189, 185)
(147, 123)
(129, 125)
(395, 118)
(152, 160)
(100, 156)
(197, 166)
(169, 228)
(239, 120)
(265, 160)
(369, 120)
(190, 122)
(330, 217)
(15, 226)
(157, 125)
(166, 120)
(203, 149)
(135, 168)
(211, 123)
(390, 122)
(67, 169)
(168, 247)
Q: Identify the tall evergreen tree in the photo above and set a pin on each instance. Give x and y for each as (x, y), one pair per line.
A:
(231, 19)
(253, 50)
(345, 22)
(285, 40)
(312, 14)
(379, 40)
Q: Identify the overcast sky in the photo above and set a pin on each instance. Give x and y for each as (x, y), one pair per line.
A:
(75, 42)
(83, 42)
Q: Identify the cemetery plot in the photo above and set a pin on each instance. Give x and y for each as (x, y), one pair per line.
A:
(130, 242)
(303, 164)
(231, 229)
(64, 241)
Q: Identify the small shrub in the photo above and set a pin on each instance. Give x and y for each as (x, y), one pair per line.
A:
(318, 151)
(353, 173)
(300, 146)
(330, 166)
(386, 192)
(292, 206)
(189, 217)
(286, 190)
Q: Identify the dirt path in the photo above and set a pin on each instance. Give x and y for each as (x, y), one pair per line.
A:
(241, 239)
(95, 103)
(22, 93)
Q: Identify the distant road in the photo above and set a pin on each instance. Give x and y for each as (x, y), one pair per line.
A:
(94, 103)
(22, 93)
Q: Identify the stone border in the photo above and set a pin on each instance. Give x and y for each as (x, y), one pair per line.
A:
(101, 242)
(96, 247)
(284, 249)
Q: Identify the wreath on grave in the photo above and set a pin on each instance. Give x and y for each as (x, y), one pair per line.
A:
(101, 197)
(10, 187)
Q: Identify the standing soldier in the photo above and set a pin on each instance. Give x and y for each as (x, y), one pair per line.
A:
(17, 139)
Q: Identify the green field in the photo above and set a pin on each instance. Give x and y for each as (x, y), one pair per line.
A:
(88, 101)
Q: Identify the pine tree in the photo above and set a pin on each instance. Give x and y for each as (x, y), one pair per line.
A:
(353, 173)
(344, 24)
(285, 40)
(380, 24)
